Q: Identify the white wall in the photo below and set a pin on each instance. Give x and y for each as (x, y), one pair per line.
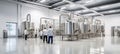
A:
(8, 13)
(110, 20)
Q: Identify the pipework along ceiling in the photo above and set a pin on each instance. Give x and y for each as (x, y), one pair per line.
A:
(80, 7)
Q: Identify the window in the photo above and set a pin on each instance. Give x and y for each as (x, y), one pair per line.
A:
(11, 28)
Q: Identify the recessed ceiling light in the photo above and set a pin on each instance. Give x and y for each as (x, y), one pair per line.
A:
(87, 1)
(72, 5)
(42, 1)
(63, 8)
(112, 11)
(106, 6)
(96, 8)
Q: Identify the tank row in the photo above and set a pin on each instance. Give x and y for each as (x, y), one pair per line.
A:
(70, 28)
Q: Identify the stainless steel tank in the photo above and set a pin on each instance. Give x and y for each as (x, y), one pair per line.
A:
(82, 27)
(68, 28)
(86, 28)
(92, 28)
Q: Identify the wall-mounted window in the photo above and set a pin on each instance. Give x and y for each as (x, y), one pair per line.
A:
(11, 29)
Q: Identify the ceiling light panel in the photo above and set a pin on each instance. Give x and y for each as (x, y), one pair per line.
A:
(48, 1)
(89, 2)
(107, 6)
(111, 11)
(83, 11)
(90, 14)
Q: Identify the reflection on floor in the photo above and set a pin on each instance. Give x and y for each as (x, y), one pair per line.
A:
(35, 46)
(112, 45)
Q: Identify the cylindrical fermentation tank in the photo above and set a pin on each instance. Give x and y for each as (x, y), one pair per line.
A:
(68, 28)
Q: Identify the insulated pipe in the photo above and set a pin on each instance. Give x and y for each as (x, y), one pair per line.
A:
(28, 19)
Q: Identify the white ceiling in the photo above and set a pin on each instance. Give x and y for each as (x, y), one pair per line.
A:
(97, 6)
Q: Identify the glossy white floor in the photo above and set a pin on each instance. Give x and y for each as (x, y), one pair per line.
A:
(84, 46)
(112, 45)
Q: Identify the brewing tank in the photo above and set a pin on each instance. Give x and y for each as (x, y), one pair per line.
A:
(86, 28)
(82, 27)
(68, 28)
(92, 28)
